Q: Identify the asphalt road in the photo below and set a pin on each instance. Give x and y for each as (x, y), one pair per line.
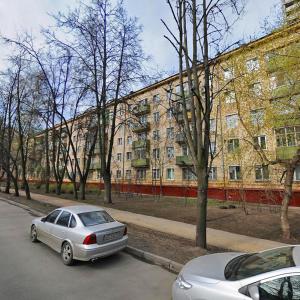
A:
(33, 271)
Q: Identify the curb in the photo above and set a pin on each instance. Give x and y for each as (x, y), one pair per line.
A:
(166, 263)
(25, 207)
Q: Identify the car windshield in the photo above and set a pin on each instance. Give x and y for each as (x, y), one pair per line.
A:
(248, 265)
(93, 218)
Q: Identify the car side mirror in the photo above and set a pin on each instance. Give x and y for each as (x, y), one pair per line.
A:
(43, 219)
(253, 292)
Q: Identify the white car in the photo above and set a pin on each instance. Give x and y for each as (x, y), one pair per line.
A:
(268, 275)
(81, 232)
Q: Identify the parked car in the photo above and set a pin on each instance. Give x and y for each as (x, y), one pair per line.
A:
(268, 275)
(82, 232)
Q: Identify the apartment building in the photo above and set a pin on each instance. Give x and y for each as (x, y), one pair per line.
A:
(291, 10)
(150, 154)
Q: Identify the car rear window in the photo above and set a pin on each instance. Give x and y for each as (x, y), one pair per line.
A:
(93, 218)
(249, 265)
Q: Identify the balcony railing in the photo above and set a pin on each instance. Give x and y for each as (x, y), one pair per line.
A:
(140, 163)
(286, 153)
(183, 160)
(140, 110)
(138, 127)
(141, 144)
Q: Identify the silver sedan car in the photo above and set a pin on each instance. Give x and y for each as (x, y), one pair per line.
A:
(268, 275)
(82, 232)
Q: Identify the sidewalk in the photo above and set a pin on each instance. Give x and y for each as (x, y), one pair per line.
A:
(216, 238)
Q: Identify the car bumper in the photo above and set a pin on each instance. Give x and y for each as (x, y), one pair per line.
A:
(89, 252)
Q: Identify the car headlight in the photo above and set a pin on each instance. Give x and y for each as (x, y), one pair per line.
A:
(182, 283)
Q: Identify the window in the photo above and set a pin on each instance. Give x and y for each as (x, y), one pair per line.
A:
(256, 89)
(170, 174)
(249, 265)
(141, 174)
(213, 125)
(140, 153)
(120, 141)
(170, 133)
(129, 140)
(170, 152)
(169, 113)
(212, 148)
(233, 145)
(288, 136)
(156, 135)
(228, 73)
(156, 153)
(257, 117)
(230, 97)
(273, 82)
(155, 174)
(156, 98)
(261, 173)
(297, 173)
(142, 136)
(252, 64)
(234, 172)
(128, 174)
(119, 156)
(232, 121)
(212, 175)
(143, 102)
(93, 218)
(118, 174)
(260, 141)
(280, 288)
(128, 155)
(185, 150)
(52, 216)
(187, 174)
(73, 222)
(63, 219)
(143, 120)
(156, 117)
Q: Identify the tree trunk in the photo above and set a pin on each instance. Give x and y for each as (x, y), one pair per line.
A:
(15, 181)
(288, 183)
(27, 190)
(82, 189)
(7, 187)
(107, 188)
(202, 211)
(58, 187)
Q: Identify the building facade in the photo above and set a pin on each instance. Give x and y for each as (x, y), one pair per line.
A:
(150, 154)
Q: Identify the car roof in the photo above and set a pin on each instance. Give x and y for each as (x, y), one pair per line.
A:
(77, 209)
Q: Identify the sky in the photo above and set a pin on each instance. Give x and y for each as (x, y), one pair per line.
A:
(29, 15)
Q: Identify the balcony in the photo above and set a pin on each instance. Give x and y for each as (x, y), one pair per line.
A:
(180, 138)
(141, 110)
(272, 64)
(140, 163)
(286, 153)
(141, 144)
(95, 166)
(286, 90)
(183, 161)
(138, 127)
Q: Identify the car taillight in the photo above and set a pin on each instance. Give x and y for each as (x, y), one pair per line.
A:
(90, 239)
(125, 230)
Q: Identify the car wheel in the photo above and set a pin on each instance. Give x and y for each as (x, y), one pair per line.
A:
(33, 234)
(67, 254)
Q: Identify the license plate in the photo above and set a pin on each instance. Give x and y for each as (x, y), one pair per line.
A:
(111, 236)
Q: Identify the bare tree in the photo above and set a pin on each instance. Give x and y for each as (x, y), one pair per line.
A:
(106, 43)
(200, 29)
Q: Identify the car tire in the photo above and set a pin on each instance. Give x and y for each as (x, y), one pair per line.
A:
(67, 254)
(33, 234)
